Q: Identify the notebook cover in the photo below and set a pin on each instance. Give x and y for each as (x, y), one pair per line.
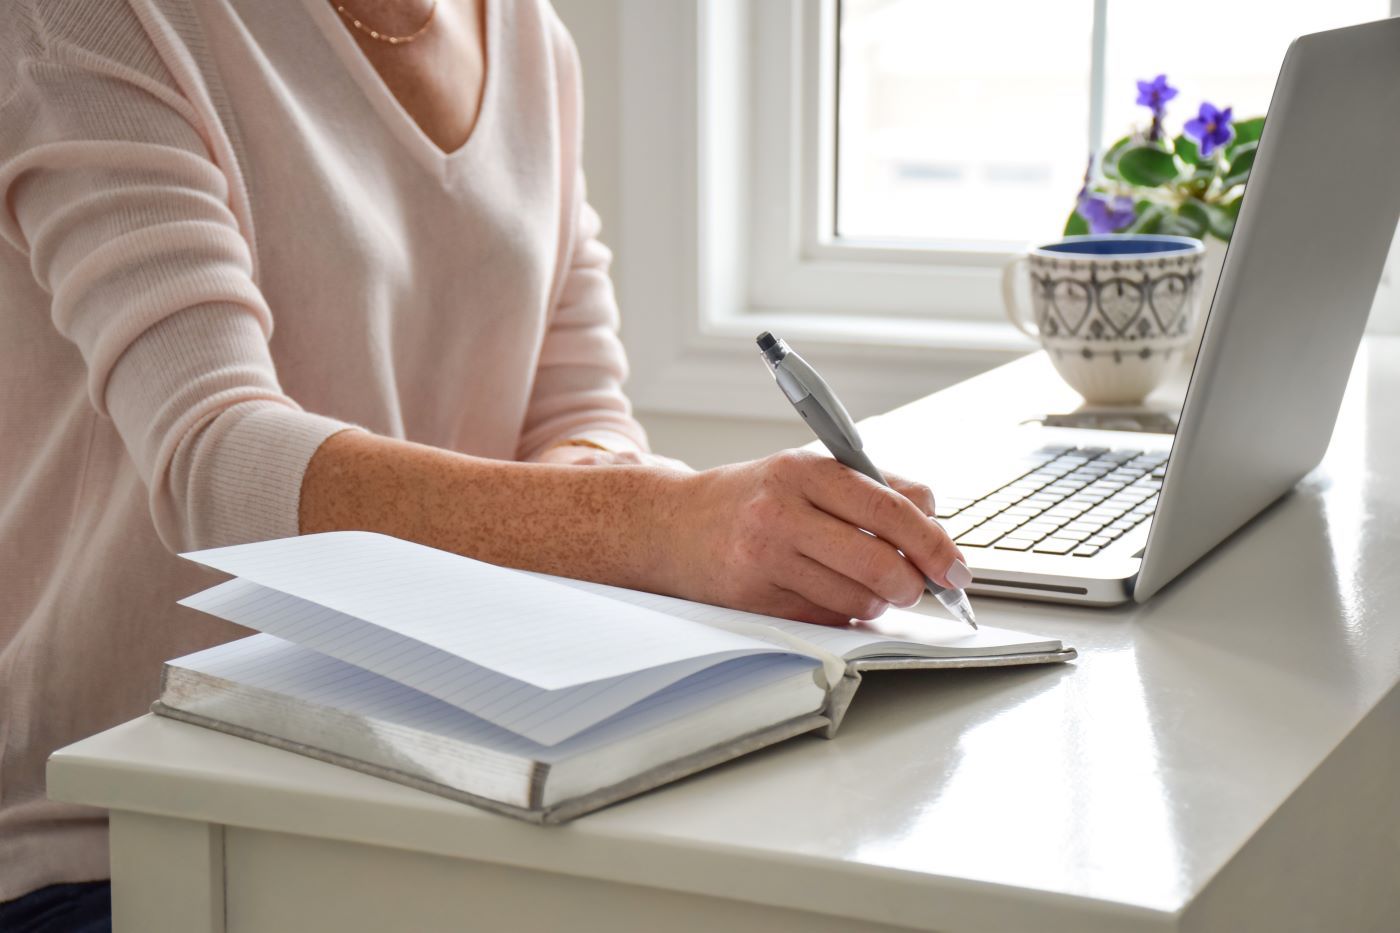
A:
(561, 812)
(840, 697)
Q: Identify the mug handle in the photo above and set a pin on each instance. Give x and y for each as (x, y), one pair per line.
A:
(1008, 295)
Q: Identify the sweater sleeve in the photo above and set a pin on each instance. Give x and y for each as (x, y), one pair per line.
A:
(108, 189)
(578, 383)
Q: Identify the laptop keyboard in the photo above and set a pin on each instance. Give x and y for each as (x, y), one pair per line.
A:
(1075, 500)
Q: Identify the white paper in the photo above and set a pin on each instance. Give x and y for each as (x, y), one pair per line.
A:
(903, 632)
(897, 632)
(269, 663)
(525, 627)
(752, 624)
(544, 716)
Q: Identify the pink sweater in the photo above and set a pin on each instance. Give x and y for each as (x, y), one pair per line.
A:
(179, 176)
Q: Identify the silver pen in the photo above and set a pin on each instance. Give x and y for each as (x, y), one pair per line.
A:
(828, 419)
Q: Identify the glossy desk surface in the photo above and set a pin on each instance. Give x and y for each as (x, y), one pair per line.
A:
(1105, 794)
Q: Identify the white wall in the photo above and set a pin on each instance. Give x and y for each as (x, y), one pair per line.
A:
(700, 441)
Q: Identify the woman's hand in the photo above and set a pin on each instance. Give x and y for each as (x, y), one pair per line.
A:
(786, 536)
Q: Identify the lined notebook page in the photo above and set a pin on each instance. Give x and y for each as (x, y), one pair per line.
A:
(752, 624)
(898, 631)
(525, 627)
(544, 716)
(269, 663)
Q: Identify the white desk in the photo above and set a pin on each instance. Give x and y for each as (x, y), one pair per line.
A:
(1224, 758)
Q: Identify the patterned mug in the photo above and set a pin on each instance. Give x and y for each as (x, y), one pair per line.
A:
(1114, 312)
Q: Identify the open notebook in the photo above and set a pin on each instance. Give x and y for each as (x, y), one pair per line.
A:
(532, 695)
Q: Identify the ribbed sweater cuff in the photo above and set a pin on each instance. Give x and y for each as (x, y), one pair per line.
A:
(255, 483)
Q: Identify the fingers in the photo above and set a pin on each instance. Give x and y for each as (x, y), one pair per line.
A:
(831, 590)
(864, 558)
(789, 605)
(858, 500)
(917, 493)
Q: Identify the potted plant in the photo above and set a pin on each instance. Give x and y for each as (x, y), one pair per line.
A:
(1188, 184)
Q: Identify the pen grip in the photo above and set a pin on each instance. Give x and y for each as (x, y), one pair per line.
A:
(831, 435)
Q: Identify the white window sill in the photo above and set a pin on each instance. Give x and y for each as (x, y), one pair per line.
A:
(874, 363)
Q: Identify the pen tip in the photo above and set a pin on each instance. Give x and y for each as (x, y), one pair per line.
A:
(968, 617)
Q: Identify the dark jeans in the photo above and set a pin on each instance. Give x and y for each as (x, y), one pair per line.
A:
(60, 908)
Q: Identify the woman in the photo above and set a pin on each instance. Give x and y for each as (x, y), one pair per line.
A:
(395, 184)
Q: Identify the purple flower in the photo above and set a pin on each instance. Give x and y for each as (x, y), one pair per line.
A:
(1155, 94)
(1106, 214)
(1211, 129)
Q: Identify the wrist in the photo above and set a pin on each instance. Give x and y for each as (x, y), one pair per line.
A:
(668, 528)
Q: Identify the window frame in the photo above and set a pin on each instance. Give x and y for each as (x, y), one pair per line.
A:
(726, 145)
(688, 278)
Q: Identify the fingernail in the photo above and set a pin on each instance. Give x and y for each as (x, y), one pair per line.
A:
(959, 575)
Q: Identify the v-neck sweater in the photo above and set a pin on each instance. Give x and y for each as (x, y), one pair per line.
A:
(223, 240)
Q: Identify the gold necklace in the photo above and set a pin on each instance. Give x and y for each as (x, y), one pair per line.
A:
(384, 37)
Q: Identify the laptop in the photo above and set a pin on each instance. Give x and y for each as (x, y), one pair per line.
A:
(1104, 517)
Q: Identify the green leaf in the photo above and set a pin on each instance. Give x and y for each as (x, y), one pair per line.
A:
(1147, 166)
(1076, 225)
(1246, 131)
(1148, 221)
(1203, 176)
(1207, 218)
(1240, 164)
(1109, 165)
(1188, 220)
(1194, 210)
(1220, 223)
(1186, 150)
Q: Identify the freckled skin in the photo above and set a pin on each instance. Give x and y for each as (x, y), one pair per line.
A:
(569, 520)
(780, 536)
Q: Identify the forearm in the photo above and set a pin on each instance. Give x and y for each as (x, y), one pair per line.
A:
(604, 524)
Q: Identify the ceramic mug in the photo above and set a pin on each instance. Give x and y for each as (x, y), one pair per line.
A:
(1114, 312)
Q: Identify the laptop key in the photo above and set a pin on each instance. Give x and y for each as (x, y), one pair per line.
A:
(1015, 544)
(1086, 550)
(1099, 540)
(959, 525)
(1056, 546)
(981, 537)
(1039, 528)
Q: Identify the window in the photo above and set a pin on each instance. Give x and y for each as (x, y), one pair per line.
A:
(948, 138)
(967, 125)
(853, 174)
